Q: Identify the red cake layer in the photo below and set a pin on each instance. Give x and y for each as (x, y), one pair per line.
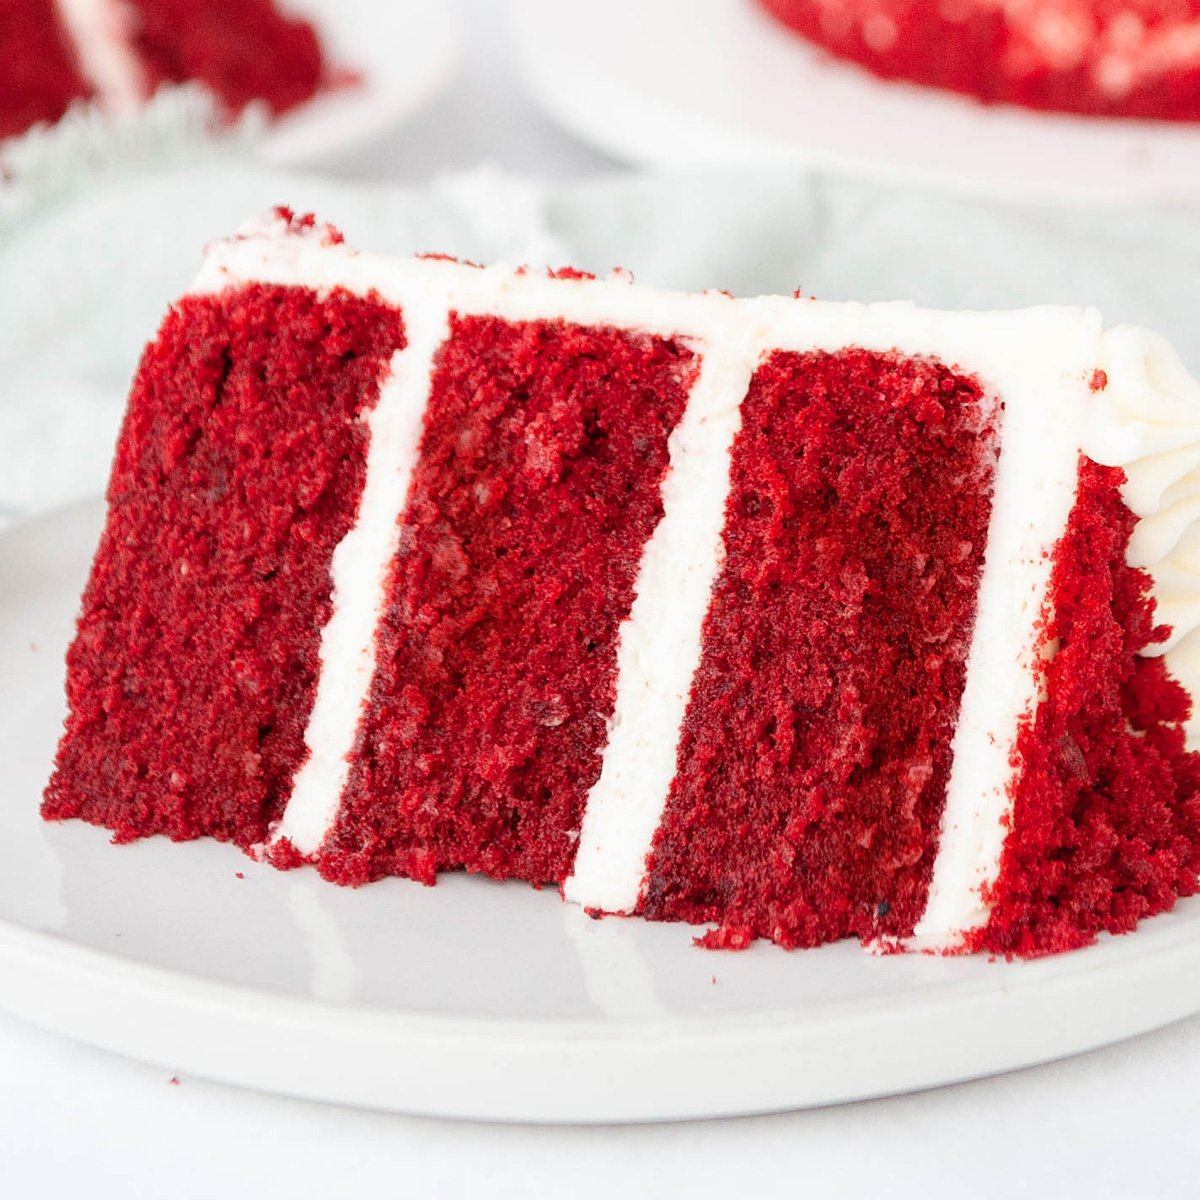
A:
(238, 470)
(242, 50)
(1108, 806)
(814, 757)
(39, 74)
(1094, 57)
(544, 449)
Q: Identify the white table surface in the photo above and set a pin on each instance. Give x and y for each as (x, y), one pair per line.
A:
(77, 1121)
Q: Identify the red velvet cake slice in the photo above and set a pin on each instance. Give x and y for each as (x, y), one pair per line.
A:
(1109, 58)
(806, 620)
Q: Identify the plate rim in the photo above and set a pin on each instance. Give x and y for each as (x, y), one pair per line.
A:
(607, 1069)
(656, 134)
(463, 1067)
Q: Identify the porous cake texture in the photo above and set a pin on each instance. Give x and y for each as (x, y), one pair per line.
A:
(802, 620)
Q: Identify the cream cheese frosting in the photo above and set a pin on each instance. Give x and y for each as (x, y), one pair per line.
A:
(360, 571)
(658, 645)
(1146, 419)
(1039, 363)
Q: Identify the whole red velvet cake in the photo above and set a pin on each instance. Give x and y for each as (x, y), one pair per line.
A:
(803, 620)
(1109, 58)
(117, 53)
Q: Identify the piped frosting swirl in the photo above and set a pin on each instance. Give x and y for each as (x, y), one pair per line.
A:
(1146, 420)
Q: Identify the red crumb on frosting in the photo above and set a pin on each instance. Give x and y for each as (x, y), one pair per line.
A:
(238, 470)
(1108, 807)
(432, 256)
(537, 488)
(814, 756)
(307, 223)
(1099, 380)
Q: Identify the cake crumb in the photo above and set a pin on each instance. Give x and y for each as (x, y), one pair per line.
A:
(725, 937)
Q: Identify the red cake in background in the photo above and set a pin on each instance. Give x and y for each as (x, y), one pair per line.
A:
(117, 53)
(1108, 58)
(803, 620)
(39, 71)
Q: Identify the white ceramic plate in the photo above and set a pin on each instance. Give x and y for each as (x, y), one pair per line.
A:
(475, 999)
(719, 81)
(404, 51)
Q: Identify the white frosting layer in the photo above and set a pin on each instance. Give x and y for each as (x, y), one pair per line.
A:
(100, 31)
(659, 644)
(1035, 485)
(1039, 363)
(360, 572)
(1147, 420)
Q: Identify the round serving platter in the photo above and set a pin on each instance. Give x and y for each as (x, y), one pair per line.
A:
(721, 82)
(475, 999)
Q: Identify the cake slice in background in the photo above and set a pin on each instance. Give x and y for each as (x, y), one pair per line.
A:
(40, 72)
(242, 51)
(807, 620)
(117, 53)
(1107, 58)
